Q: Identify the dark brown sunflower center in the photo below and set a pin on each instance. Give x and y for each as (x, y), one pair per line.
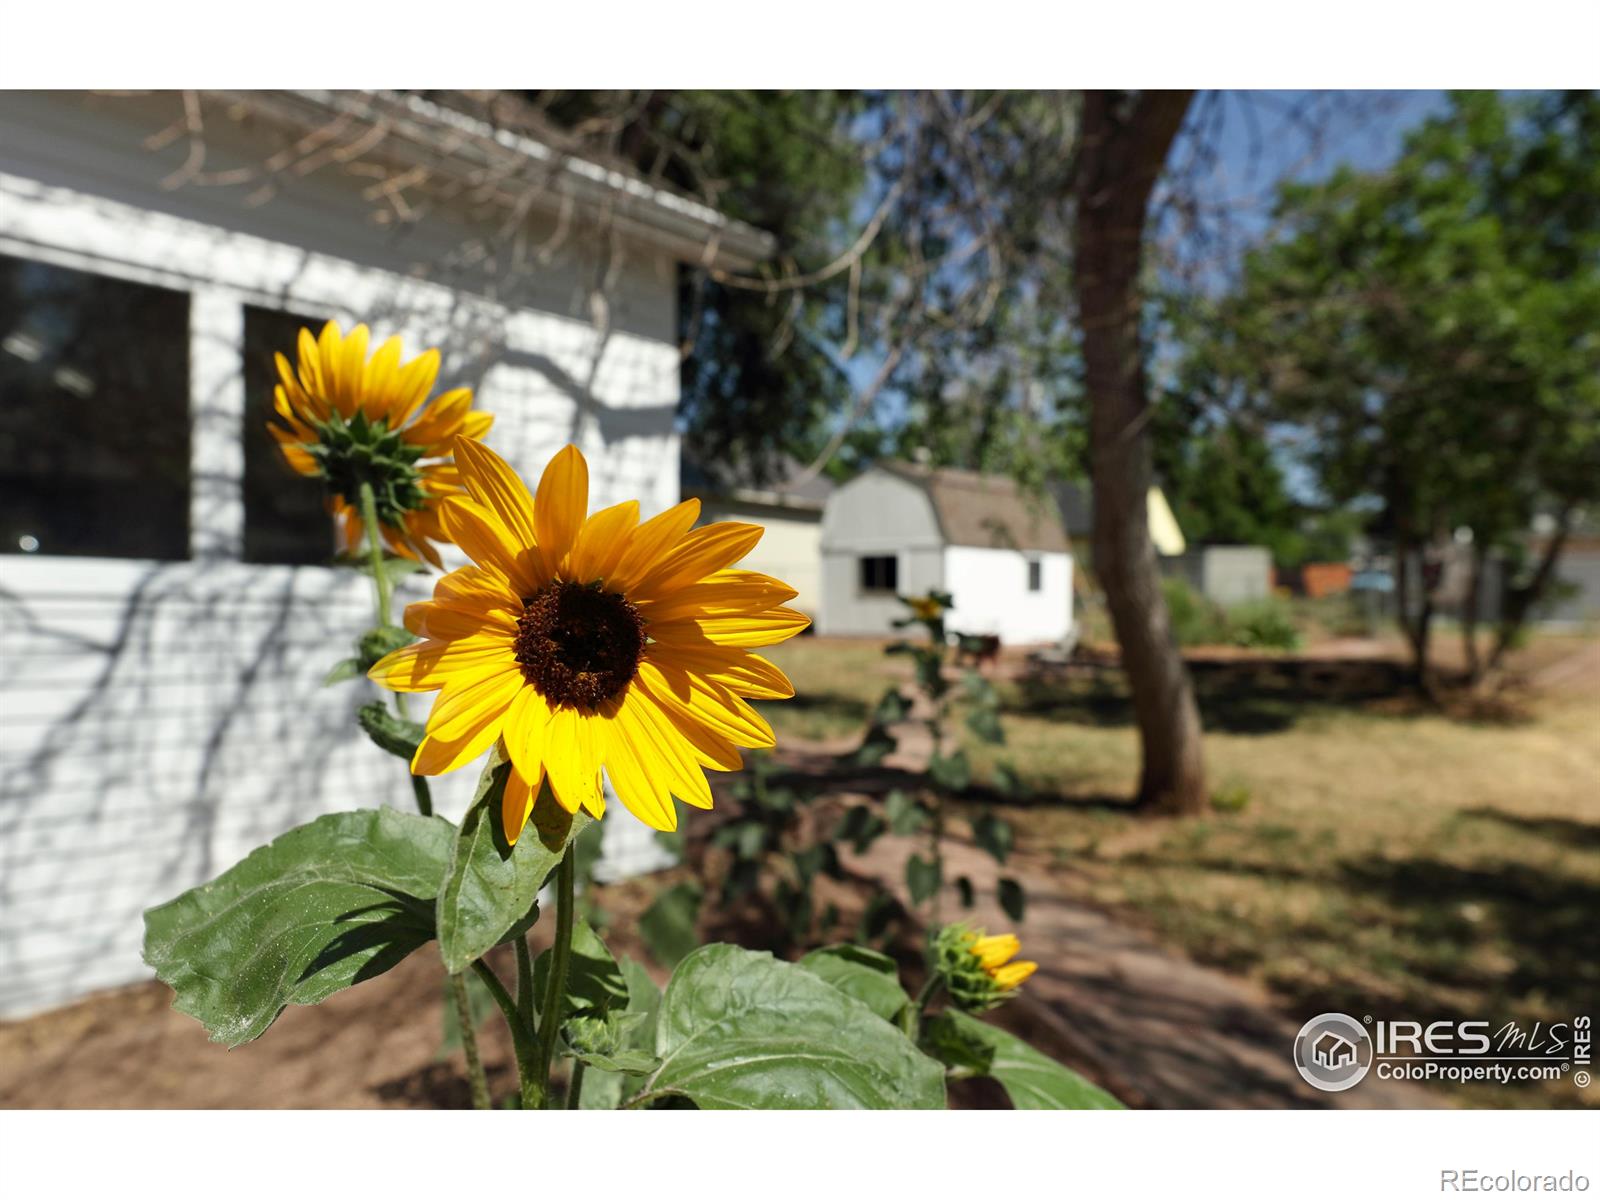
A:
(577, 644)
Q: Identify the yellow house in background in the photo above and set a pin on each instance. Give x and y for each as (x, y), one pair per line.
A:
(1164, 531)
(1076, 502)
(789, 507)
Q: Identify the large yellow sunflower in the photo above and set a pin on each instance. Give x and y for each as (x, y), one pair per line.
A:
(348, 419)
(591, 643)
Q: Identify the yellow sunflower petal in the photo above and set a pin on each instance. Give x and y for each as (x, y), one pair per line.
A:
(428, 665)
(488, 543)
(1012, 974)
(478, 587)
(652, 539)
(708, 704)
(497, 487)
(378, 382)
(636, 772)
(725, 593)
(431, 618)
(741, 672)
(560, 504)
(570, 760)
(751, 630)
(712, 748)
(700, 553)
(412, 385)
(992, 951)
(438, 426)
(526, 725)
(309, 362)
(465, 722)
(516, 802)
(653, 729)
(602, 542)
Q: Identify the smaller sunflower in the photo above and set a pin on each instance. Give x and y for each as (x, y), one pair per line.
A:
(977, 969)
(349, 420)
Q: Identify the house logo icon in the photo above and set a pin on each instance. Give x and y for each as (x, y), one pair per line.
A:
(1333, 1052)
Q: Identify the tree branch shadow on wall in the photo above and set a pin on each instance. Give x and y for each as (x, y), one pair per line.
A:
(192, 731)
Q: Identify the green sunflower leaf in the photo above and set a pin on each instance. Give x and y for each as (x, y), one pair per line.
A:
(994, 836)
(1012, 898)
(595, 983)
(325, 906)
(380, 640)
(389, 732)
(489, 886)
(605, 1088)
(866, 975)
(739, 1029)
(1031, 1079)
(923, 877)
(346, 668)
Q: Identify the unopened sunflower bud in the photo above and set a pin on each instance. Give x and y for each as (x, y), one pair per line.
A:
(976, 969)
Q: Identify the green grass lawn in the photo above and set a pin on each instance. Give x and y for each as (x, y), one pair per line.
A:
(1386, 860)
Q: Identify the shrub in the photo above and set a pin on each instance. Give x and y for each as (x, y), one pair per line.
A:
(1196, 621)
(1263, 625)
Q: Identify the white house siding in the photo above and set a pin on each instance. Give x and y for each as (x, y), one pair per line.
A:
(990, 589)
(876, 514)
(790, 549)
(158, 720)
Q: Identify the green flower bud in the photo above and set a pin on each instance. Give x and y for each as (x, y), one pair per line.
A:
(976, 969)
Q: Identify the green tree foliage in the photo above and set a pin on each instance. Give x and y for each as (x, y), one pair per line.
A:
(761, 375)
(1433, 330)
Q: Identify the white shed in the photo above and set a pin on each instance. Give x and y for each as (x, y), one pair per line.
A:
(903, 529)
(163, 625)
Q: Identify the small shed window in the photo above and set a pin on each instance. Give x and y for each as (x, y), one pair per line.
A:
(94, 415)
(880, 573)
(285, 514)
(1035, 575)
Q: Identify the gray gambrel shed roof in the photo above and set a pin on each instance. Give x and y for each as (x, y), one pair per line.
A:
(986, 510)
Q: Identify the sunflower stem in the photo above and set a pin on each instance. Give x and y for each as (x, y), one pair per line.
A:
(380, 577)
(424, 797)
(556, 986)
(476, 1078)
(525, 981)
(381, 590)
(523, 1044)
(575, 1087)
(911, 1016)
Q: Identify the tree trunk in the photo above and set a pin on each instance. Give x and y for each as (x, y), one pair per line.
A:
(1469, 611)
(1418, 628)
(1520, 601)
(1124, 146)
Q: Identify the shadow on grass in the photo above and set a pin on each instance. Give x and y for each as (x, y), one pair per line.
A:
(1545, 920)
(1577, 834)
(1106, 704)
(1451, 941)
(833, 712)
(1250, 695)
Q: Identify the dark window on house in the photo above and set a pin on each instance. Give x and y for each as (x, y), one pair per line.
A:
(94, 415)
(1035, 575)
(285, 514)
(880, 573)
